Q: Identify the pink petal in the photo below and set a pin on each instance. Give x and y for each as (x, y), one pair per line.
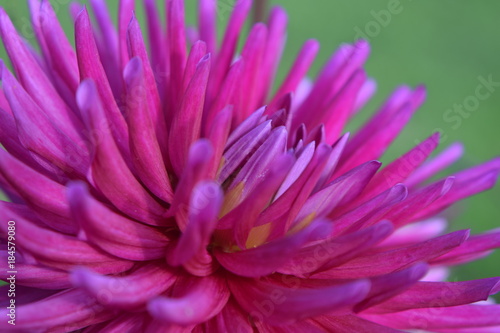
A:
(352, 323)
(109, 172)
(197, 169)
(477, 246)
(61, 251)
(299, 69)
(268, 258)
(40, 135)
(112, 232)
(440, 294)
(144, 147)
(204, 208)
(464, 316)
(186, 123)
(436, 164)
(138, 49)
(61, 312)
(207, 11)
(385, 287)
(278, 305)
(28, 183)
(36, 83)
(127, 292)
(335, 251)
(177, 50)
(193, 301)
(389, 261)
(91, 68)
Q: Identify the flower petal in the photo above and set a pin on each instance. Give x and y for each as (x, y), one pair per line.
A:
(186, 122)
(268, 258)
(440, 294)
(276, 304)
(144, 147)
(112, 232)
(193, 301)
(109, 172)
(389, 261)
(127, 292)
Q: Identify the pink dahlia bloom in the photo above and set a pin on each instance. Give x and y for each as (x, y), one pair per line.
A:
(167, 190)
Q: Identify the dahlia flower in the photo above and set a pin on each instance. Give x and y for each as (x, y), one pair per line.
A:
(166, 189)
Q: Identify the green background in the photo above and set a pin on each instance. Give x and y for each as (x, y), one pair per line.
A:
(445, 44)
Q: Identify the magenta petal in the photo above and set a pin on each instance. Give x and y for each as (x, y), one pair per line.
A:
(392, 260)
(436, 164)
(207, 11)
(475, 247)
(369, 212)
(62, 55)
(91, 68)
(218, 135)
(297, 194)
(226, 96)
(335, 251)
(252, 55)
(260, 299)
(197, 169)
(129, 291)
(243, 218)
(259, 164)
(177, 49)
(40, 135)
(398, 170)
(125, 13)
(247, 144)
(35, 81)
(340, 191)
(440, 294)
(10, 141)
(193, 301)
(275, 44)
(464, 316)
(138, 49)
(28, 183)
(249, 124)
(467, 183)
(60, 312)
(107, 45)
(228, 45)
(144, 147)
(352, 323)
(186, 123)
(418, 201)
(60, 251)
(204, 208)
(387, 286)
(112, 232)
(160, 62)
(37, 276)
(299, 68)
(268, 258)
(109, 171)
(231, 318)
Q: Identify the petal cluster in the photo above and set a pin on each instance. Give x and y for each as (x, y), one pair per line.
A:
(160, 183)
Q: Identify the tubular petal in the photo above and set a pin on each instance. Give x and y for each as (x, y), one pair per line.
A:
(193, 301)
(128, 292)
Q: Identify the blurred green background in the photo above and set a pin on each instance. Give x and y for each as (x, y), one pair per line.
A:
(445, 44)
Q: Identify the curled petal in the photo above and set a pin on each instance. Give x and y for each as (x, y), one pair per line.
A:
(276, 304)
(112, 232)
(127, 292)
(193, 301)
